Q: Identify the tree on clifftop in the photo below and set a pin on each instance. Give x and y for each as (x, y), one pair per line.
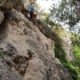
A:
(65, 12)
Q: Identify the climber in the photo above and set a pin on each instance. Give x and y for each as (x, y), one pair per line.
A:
(32, 11)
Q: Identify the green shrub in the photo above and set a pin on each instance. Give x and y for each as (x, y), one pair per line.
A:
(59, 50)
(77, 55)
(72, 67)
(74, 70)
(60, 53)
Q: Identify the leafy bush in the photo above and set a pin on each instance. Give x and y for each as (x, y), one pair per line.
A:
(74, 70)
(77, 55)
(74, 66)
(59, 52)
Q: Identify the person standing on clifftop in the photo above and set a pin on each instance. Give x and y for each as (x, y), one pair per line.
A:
(32, 10)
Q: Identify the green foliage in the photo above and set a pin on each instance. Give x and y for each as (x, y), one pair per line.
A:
(74, 70)
(77, 55)
(76, 47)
(61, 55)
(76, 51)
(75, 39)
(66, 12)
(74, 66)
(59, 52)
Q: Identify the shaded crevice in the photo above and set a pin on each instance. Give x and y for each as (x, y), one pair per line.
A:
(48, 74)
(20, 63)
(4, 28)
(30, 54)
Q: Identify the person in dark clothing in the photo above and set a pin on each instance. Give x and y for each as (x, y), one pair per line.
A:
(31, 9)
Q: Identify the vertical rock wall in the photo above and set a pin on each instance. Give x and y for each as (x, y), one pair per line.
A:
(28, 53)
(9, 4)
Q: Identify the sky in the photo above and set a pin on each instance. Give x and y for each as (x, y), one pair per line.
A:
(46, 4)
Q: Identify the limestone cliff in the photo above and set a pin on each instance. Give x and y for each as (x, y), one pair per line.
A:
(27, 2)
(17, 4)
(66, 42)
(27, 50)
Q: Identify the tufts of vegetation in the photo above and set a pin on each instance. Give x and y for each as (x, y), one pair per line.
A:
(74, 66)
(59, 52)
(74, 70)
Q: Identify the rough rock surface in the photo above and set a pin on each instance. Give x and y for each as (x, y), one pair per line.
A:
(67, 46)
(55, 35)
(7, 74)
(1, 17)
(10, 4)
(17, 4)
(28, 52)
(27, 2)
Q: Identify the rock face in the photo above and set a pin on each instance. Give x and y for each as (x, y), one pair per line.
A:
(26, 49)
(27, 2)
(67, 45)
(28, 54)
(17, 4)
(9, 4)
(1, 17)
(7, 74)
(64, 39)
